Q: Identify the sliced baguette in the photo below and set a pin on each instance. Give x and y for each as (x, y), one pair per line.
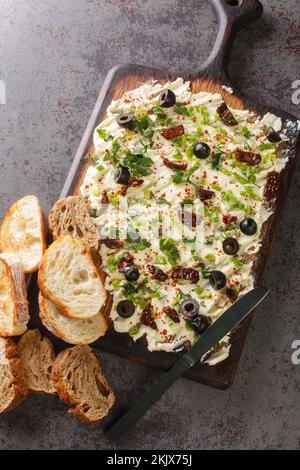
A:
(13, 388)
(69, 278)
(37, 357)
(70, 330)
(23, 232)
(81, 384)
(14, 314)
(70, 216)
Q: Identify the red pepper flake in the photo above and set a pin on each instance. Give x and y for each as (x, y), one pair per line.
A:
(164, 332)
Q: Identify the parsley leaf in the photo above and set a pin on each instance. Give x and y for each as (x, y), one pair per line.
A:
(138, 164)
(181, 109)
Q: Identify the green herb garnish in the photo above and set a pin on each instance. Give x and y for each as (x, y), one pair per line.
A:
(138, 164)
(169, 248)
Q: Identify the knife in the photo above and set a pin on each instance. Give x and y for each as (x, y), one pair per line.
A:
(223, 325)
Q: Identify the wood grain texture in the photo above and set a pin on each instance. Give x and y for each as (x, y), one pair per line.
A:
(210, 77)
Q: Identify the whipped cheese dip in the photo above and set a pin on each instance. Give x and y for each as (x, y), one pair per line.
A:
(232, 183)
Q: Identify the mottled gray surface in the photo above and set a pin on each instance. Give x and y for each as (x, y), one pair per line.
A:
(54, 57)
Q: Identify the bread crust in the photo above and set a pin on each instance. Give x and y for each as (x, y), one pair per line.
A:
(11, 245)
(14, 283)
(9, 353)
(58, 331)
(64, 309)
(65, 392)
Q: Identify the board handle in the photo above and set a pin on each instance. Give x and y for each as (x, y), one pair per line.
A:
(232, 15)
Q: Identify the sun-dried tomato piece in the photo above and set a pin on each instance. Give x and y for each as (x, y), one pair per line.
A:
(172, 313)
(175, 165)
(250, 158)
(147, 318)
(173, 132)
(112, 243)
(281, 149)
(157, 273)
(226, 115)
(187, 274)
(104, 198)
(204, 194)
(134, 182)
(229, 219)
(271, 187)
(127, 260)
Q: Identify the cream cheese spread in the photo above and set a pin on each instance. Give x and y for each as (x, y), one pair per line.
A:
(165, 173)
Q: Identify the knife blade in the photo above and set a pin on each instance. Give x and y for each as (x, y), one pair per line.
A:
(223, 325)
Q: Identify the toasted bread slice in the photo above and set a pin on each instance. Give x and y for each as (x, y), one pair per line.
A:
(69, 278)
(37, 357)
(70, 330)
(81, 384)
(14, 314)
(70, 216)
(23, 232)
(13, 388)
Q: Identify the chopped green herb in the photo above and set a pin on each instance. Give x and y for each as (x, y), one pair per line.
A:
(249, 191)
(102, 133)
(240, 178)
(246, 132)
(133, 331)
(188, 326)
(181, 109)
(180, 177)
(114, 199)
(169, 247)
(205, 273)
(212, 213)
(236, 262)
(115, 283)
(267, 146)
(138, 164)
(210, 257)
(112, 263)
(164, 201)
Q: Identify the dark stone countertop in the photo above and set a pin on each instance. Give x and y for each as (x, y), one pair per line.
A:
(54, 58)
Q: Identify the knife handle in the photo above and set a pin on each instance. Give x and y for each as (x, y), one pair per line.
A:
(128, 420)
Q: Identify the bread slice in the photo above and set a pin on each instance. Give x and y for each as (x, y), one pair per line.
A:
(23, 232)
(81, 384)
(14, 314)
(37, 357)
(13, 388)
(69, 278)
(70, 330)
(70, 216)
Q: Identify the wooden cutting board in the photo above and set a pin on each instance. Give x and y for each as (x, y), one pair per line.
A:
(232, 15)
